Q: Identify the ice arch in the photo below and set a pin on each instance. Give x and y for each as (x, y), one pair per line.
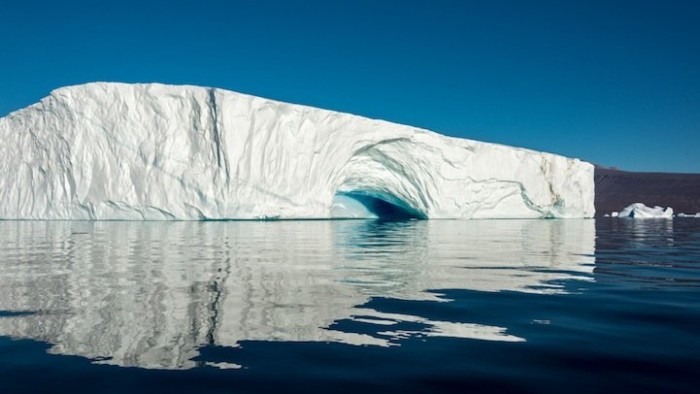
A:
(386, 179)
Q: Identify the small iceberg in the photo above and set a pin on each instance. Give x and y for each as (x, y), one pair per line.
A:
(686, 215)
(641, 211)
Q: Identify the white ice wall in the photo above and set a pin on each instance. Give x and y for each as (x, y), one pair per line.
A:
(119, 151)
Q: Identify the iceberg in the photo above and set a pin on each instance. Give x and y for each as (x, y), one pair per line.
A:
(641, 211)
(688, 215)
(113, 151)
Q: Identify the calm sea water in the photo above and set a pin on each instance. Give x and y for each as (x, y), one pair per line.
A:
(341, 306)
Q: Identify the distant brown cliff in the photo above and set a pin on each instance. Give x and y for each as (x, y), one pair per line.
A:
(616, 189)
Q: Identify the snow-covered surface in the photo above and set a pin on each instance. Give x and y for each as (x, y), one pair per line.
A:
(641, 211)
(151, 151)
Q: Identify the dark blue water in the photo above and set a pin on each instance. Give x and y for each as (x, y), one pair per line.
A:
(341, 306)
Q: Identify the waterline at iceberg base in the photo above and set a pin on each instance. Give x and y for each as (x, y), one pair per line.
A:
(156, 152)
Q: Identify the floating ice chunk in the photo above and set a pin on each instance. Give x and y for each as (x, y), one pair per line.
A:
(641, 211)
(686, 215)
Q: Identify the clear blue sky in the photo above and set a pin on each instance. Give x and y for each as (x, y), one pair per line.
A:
(616, 83)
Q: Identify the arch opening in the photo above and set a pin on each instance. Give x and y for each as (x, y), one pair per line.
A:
(371, 205)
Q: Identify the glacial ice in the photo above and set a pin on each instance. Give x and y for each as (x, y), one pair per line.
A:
(152, 151)
(641, 211)
(688, 215)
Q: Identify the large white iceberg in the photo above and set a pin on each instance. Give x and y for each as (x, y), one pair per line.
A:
(151, 151)
(641, 211)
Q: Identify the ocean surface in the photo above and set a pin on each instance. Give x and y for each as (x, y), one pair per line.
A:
(536, 306)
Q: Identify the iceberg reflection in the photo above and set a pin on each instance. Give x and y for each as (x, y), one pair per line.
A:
(150, 294)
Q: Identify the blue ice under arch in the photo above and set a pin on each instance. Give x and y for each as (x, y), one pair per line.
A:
(362, 204)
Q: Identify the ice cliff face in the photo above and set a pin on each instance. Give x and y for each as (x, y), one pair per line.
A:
(119, 151)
